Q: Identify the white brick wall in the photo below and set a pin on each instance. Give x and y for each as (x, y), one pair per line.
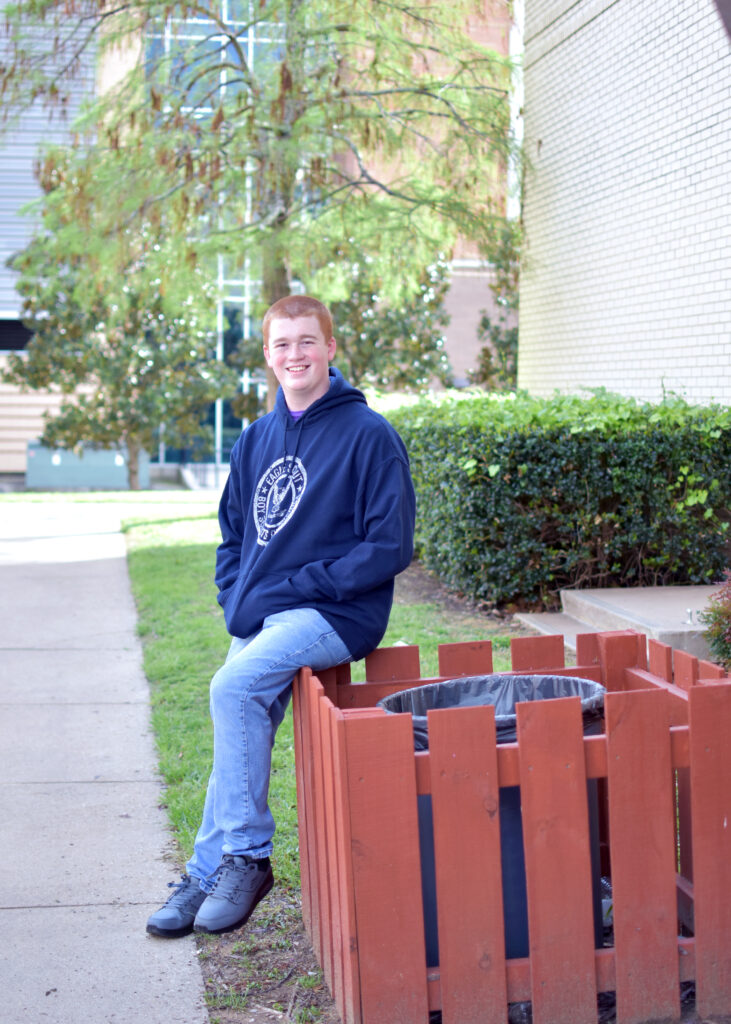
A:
(628, 203)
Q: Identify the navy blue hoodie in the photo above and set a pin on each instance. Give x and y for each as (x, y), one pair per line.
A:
(317, 513)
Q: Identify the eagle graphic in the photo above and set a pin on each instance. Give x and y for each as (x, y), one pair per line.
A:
(279, 498)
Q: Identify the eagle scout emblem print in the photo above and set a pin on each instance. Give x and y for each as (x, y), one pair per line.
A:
(277, 496)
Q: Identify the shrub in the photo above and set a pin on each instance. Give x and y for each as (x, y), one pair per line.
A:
(717, 618)
(520, 497)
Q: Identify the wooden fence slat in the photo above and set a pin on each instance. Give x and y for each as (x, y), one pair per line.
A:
(710, 781)
(329, 680)
(387, 663)
(708, 670)
(618, 650)
(531, 653)
(587, 649)
(342, 674)
(685, 667)
(660, 659)
(343, 903)
(557, 861)
(332, 967)
(639, 679)
(465, 659)
(304, 756)
(678, 710)
(642, 851)
(381, 783)
(465, 802)
(299, 769)
(367, 695)
(318, 874)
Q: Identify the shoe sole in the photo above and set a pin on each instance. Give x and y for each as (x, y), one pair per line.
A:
(201, 929)
(171, 933)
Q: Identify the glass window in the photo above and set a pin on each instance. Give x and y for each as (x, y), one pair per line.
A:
(203, 64)
(233, 328)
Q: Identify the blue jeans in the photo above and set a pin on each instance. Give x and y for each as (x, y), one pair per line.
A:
(249, 696)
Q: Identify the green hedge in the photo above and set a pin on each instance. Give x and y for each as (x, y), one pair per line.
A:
(521, 497)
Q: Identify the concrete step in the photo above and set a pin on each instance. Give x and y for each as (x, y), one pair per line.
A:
(553, 623)
(667, 614)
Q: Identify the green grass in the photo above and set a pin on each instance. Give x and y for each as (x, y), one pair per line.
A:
(171, 560)
(428, 625)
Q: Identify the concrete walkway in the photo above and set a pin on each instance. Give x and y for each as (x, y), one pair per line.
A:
(86, 853)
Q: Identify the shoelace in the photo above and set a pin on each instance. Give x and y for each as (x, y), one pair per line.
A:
(230, 877)
(185, 891)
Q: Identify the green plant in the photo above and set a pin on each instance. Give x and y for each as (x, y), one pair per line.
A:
(227, 998)
(497, 366)
(396, 344)
(717, 619)
(519, 497)
(311, 980)
(308, 1015)
(133, 362)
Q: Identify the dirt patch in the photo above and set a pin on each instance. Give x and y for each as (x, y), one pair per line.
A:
(417, 585)
(267, 972)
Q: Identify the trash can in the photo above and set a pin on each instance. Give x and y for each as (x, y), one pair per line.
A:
(503, 692)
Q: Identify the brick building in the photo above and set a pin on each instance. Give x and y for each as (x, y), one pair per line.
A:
(628, 206)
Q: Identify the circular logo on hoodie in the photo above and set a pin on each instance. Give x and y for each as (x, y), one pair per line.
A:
(277, 496)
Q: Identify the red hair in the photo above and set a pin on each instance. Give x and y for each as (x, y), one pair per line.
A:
(293, 306)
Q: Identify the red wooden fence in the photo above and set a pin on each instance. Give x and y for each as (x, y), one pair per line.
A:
(663, 767)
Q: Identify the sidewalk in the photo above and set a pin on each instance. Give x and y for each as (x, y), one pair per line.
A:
(86, 851)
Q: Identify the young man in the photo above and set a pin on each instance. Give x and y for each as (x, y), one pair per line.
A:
(317, 518)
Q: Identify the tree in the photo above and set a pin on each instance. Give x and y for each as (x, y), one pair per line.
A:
(130, 358)
(497, 366)
(392, 344)
(382, 342)
(272, 131)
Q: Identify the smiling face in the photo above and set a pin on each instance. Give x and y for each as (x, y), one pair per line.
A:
(299, 355)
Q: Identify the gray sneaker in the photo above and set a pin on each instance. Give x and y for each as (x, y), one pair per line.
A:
(176, 917)
(240, 883)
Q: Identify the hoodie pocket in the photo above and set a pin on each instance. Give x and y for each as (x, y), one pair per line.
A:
(258, 597)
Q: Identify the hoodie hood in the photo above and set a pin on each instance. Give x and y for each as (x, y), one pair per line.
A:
(339, 393)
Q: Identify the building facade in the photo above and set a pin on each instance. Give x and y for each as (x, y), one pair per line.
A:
(21, 415)
(627, 205)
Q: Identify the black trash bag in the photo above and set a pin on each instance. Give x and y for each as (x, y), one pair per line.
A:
(503, 692)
